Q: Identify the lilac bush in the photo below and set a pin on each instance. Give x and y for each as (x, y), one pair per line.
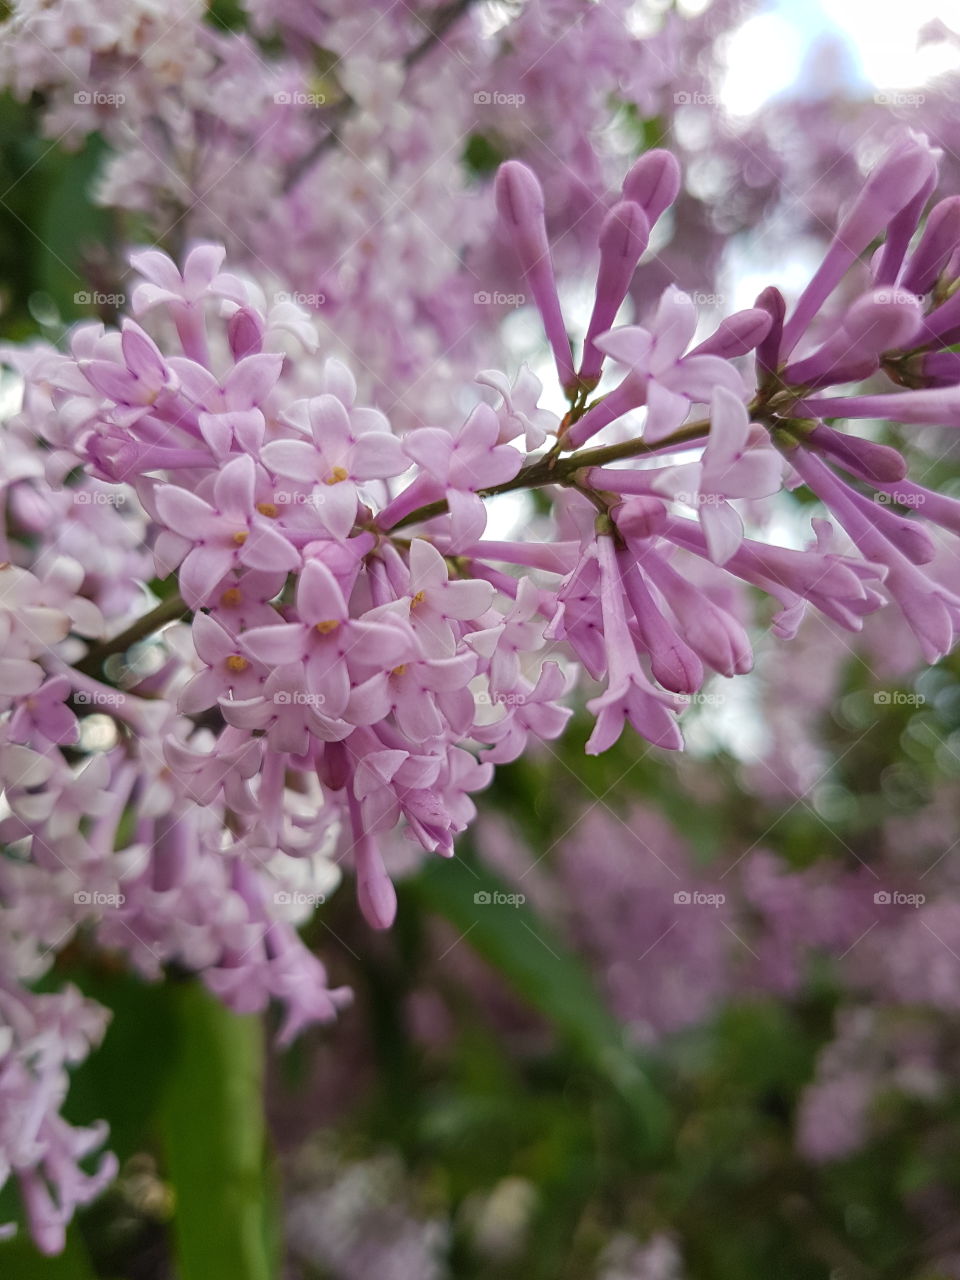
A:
(258, 624)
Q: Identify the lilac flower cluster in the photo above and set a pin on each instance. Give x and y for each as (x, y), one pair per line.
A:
(356, 118)
(358, 656)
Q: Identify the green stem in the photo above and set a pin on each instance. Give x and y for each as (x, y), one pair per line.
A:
(545, 471)
(551, 470)
(166, 611)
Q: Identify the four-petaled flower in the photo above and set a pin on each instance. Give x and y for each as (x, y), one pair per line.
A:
(736, 463)
(224, 534)
(347, 449)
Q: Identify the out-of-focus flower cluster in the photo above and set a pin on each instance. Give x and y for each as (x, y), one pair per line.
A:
(356, 119)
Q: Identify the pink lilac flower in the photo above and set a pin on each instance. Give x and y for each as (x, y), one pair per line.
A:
(456, 465)
(332, 645)
(728, 469)
(660, 375)
(348, 448)
(225, 534)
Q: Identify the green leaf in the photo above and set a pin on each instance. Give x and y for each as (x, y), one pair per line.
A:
(212, 1129)
(68, 227)
(20, 1260)
(139, 1046)
(527, 953)
(483, 155)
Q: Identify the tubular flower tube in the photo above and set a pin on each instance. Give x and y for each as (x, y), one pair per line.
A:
(520, 204)
(653, 182)
(623, 238)
(890, 188)
(940, 238)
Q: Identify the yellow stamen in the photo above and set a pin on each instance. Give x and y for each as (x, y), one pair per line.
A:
(231, 597)
(326, 627)
(267, 509)
(236, 662)
(336, 475)
(418, 599)
(241, 536)
(398, 671)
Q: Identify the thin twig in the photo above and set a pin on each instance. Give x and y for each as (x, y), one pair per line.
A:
(549, 470)
(166, 611)
(544, 471)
